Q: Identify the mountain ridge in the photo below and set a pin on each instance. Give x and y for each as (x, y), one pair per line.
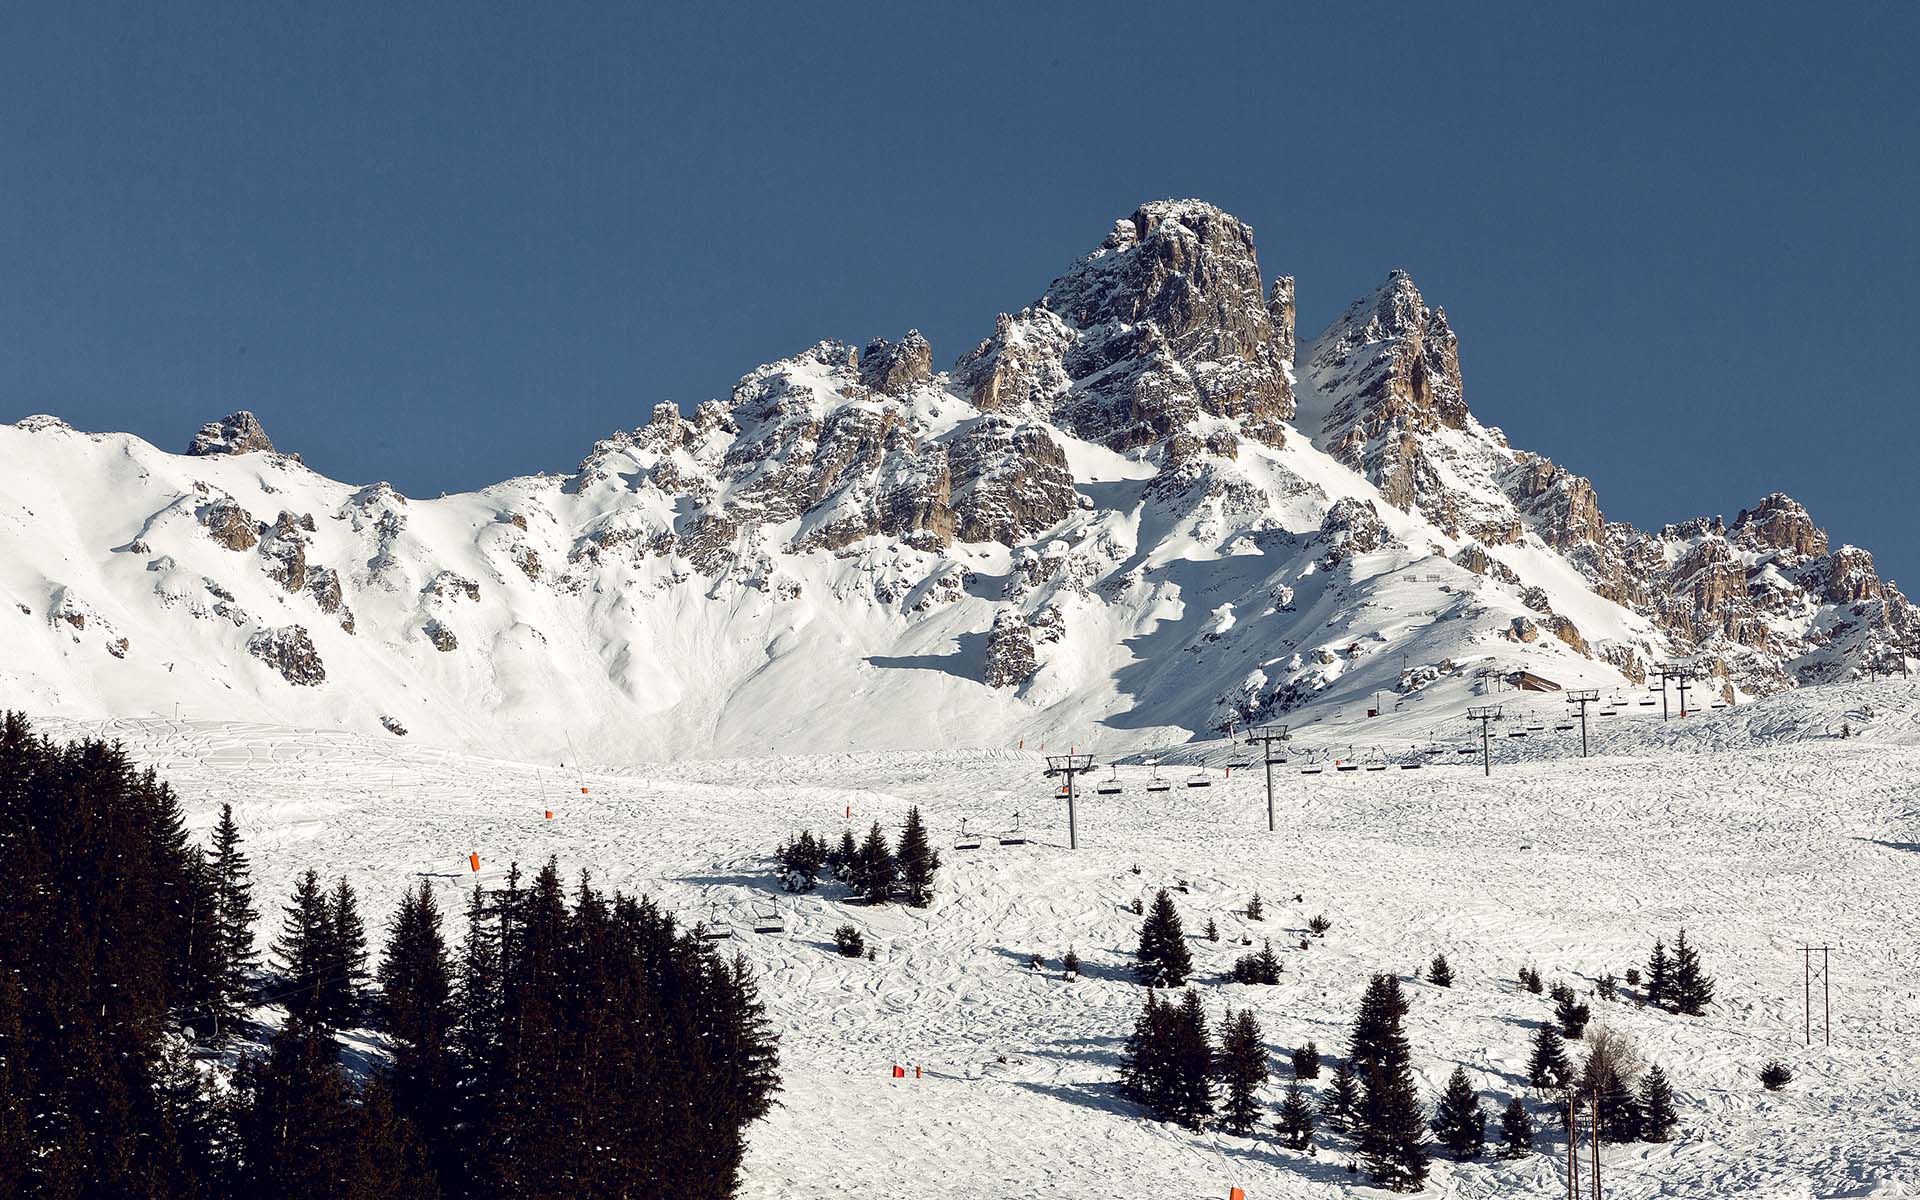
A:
(1141, 506)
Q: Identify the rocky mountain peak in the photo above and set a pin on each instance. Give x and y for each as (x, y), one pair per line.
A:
(236, 433)
(1165, 321)
(1780, 522)
(893, 368)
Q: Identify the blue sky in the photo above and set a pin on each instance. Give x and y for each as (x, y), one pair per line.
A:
(446, 244)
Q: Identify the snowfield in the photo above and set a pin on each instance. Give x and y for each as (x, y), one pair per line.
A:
(1755, 828)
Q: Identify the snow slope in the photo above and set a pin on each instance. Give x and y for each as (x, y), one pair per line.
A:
(1755, 828)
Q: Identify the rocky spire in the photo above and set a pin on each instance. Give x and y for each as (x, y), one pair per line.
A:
(1280, 309)
(1165, 321)
(235, 433)
(892, 368)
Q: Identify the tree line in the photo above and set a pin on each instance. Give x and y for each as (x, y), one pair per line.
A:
(871, 869)
(575, 1042)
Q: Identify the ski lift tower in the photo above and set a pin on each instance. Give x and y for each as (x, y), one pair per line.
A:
(1583, 698)
(1486, 714)
(1070, 765)
(1265, 737)
(1681, 672)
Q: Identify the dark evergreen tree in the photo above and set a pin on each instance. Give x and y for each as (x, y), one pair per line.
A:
(1439, 973)
(800, 862)
(1256, 910)
(1163, 958)
(416, 1004)
(1659, 975)
(1261, 967)
(1376, 1030)
(876, 870)
(1530, 979)
(1070, 963)
(1242, 1067)
(345, 984)
(1620, 1117)
(1213, 931)
(1144, 1066)
(1572, 1012)
(1516, 1130)
(844, 859)
(1391, 1129)
(195, 1119)
(1192, 1054)
(918, 861)
(16, 1087)
(1306, 1061)
(1691, 988)
(1775, 1075)
(1296, 1119)
(305, 949)
(1548, 1067)
(235, 914)
(1340, 1107)
(1458, 1120)
(1656, 1106)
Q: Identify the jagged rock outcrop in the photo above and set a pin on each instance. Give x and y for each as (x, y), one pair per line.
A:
(1280, 311)
(1350, 527)
(1010, 657)
(895, 368)
(1164, 322)
(236, 433)
(291, 652)
(283, 550)
(1010, 481)
(228, 524)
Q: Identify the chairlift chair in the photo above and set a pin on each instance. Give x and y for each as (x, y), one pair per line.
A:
(1199, 779)
(1562, 728)
(965, 839)
(1110, 786)
(767, 919)
(1346, 766)
(716, 926)
(1013, 836)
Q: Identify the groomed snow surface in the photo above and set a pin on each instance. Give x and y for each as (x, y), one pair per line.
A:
(1754, 828)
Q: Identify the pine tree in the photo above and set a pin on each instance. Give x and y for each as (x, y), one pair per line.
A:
(1659, 975)
(1261, 967)
(1692, 990)
(1141, 1060)
(1070, 964)
(305, 951)
(1192, 1052)
(1256, 910)
(1378, 1023)
(235, 913)
(877, 870)
(1572, 1012)
(1213, 931)
(1656, 1106)
(1163, 958)
(1516, 1130)
(1620, 1117)
(1459, 1121)
(1391, 1129)
(844, 858)
(294, 1118)
(1242, 1067)
(1340, 1107)
(918, 861)
(346, 985)
(1392, 1133)
(1306, 1061)
(1439, 973)
(1296, 1119)
(1548, 1066)
(416, 1002)
(17, 1142)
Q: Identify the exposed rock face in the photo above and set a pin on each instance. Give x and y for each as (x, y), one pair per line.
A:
(1350, 527)
(441, 637)
(896, 368)
(1164, 322)
(283, 549)
(235, 433)
(289, 651)
(1391, 368)
(1010, 481)
(228, 524)
(1564, 508)
(1280, 309)
(1780, 523)
(1010, 657)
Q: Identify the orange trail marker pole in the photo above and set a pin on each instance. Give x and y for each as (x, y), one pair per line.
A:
(473, 860)
(549, 814)
(1236, 1194)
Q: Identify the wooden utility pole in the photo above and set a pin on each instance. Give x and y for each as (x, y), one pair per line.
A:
(1584, 698)
(1486, 714)
(1265, 738)
(1070, 765)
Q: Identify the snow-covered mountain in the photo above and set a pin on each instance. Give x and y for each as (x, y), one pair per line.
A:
(1130, 513)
